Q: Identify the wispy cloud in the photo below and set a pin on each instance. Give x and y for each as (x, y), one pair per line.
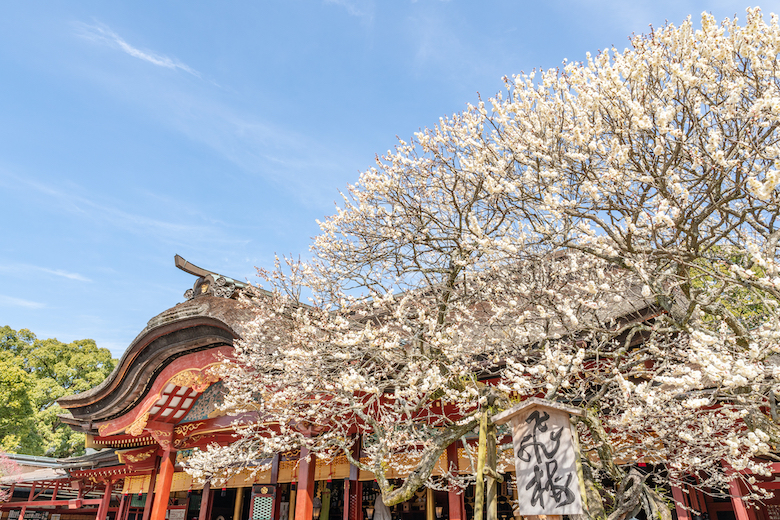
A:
(363, 9)
(279, 153)
(10, 301)
(167, 231)
(441, 48)
(276, 151)
(101, 33)
(29, 268)
(65, 274)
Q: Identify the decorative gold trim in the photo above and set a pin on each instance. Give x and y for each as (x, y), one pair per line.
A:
(139, 457)
(187, 428)
(102, 428)
(203, 433)
(162, 437)
(190, 441)
(339, 460)
(293, 454)
(288, 464)
(198, 380)
(137, 428)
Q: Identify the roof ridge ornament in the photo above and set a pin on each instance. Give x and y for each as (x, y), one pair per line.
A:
(189, 268)
(208, 283)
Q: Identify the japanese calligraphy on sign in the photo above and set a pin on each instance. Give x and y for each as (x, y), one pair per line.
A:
(545, 459)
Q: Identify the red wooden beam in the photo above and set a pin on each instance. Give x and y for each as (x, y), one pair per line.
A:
(305, 495)
(163, 488)
(205, 501)
(679, 503)
(102, 512)
(454, 497)
(740, 511)
(44, 503)
(150, 490)
(30, 498)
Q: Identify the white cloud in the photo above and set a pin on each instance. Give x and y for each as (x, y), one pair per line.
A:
(360, 8)
(102, 33)
(28, 268)
(301, 164)
(166, 231)
(278, 152)
(64, 274)
(441, 49)
(10, 301)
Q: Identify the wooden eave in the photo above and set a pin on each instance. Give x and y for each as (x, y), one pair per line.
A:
(146, 357)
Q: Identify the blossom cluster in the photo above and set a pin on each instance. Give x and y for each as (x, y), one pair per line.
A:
(604, 234)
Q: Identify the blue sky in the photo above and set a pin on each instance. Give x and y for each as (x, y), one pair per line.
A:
(133, 131)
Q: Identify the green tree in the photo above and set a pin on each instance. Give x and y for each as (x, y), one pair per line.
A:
(33, 375)
(17, 412)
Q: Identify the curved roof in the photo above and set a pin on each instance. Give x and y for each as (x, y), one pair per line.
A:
(202, 323)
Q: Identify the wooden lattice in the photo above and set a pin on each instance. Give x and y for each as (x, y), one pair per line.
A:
(262, 508)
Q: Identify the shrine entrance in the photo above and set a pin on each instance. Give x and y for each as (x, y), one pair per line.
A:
(223, 505)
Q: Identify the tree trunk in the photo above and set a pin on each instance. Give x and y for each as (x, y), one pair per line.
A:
(593, 501)
(479, 485)
(491, 489)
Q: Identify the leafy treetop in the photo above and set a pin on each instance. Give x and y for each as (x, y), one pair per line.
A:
(35, 373)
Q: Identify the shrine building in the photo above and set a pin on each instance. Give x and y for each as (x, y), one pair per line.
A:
(161, 402)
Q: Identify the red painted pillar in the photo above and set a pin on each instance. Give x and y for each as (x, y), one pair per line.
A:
(305, 493)
(680, 503)
(150, 491)
(454, 498)
(740, 511)
(30, 498)
(122, 511)
(102, 511)
(702, 498)
(345, 506)
(205, 501)
(163, 489)
(275, 485)
(353, 491)
(353, 500)
(693, 498)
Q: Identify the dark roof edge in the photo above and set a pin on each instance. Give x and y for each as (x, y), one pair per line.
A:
(146, 337)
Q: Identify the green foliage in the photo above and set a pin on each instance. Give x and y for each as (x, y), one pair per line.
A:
(33, 375)
(720, 274)
(17, 412)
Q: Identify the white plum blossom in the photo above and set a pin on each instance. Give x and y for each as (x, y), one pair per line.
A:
(604, 234)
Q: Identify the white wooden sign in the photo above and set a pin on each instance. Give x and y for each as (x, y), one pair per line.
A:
(545, 459)
(177, 514)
